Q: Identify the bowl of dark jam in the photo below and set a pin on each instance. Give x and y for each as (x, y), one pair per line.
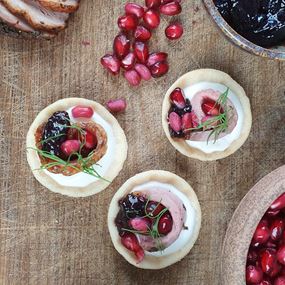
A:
(257, 26)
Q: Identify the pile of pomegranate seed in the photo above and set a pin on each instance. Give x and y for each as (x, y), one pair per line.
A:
(266, 255)
(130, 47)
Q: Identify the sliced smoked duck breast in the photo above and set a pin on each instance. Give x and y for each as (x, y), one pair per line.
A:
(67, 6)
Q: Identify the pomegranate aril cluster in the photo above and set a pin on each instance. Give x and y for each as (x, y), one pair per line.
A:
(130, 47)
(266, 256)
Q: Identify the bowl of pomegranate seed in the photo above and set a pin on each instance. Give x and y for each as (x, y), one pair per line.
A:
(254, 245)
(154, 219)
(255, 26)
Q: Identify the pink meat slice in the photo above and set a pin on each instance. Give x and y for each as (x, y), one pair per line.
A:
(36, 15)
(67, 6)
(177, 211)
(197, 101)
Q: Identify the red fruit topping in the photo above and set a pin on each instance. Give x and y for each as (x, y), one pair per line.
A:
(175, 122)
(133, 77)
(177, 98)
(128, 22)
(265, 282)
(195, 121)
(252, 256)
(262, 233)
(90, 140)
(174, 31)
(152, 3)
(142, 34)
(82, 112)
(134, 9)
(141, 51)
(165, 224)
(70, 146)
(281, 255)
(170, 9)
(268, 260)
(143, 71)
(128, 62)
(210, 107)
(254, 274)
(111, 63)
(151, 19)
(280, 281)
(187, 122)
(159, 69)
(156, 57)
(279, 203)
(121, 45)
(116, 106)
(154, 208)
(276, 229)
(130, 241)
(140, 224)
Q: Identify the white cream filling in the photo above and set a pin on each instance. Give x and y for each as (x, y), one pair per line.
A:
(224, 142)
(82, 179)
(185, 234)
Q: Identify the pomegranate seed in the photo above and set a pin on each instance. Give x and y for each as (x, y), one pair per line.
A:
(252, 256)
(279, 203)
(170, 9)
(128, 22)
(165, 224)
(133, 77)
(134, 9)
(175, 122)
(143, 71)
(210, 107)
(121, 45)
(270, 244)
(140, 224)
(195, 121)
(281, 255)
(142, 34)
(174, 31)
(265, 282)
(70, 146)
(177, 98)
(279, 280)
(141, 51)
(187, 122)
(130, 241)
(276, 269)
(272, 213)
(90, 140)
(268, 260)
(262, 233)
(276, 229)
(254, 274)
(156, 57)
(159, 69)
(154, 208)
(82, 112)
(116, 106)
(151, 19)
(128, 62)
(152, 3)
(111, 63)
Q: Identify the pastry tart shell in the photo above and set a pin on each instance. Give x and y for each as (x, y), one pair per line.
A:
(120, 152)
(215, 76)
(151, 261)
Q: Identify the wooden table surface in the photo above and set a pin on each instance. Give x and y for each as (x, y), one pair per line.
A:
(47, 238)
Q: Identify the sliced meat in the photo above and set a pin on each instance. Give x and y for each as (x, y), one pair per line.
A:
(18, 26)
(67, 6)
(36, 15)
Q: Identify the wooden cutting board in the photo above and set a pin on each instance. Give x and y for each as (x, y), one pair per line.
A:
(51, 239)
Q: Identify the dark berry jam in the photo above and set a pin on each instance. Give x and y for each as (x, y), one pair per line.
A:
(260, 21)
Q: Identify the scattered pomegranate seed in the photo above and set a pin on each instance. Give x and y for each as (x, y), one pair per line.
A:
(133, 77)
(130, 241)
(268, 260)
(134, 9)
(156, 57)
(265, 282)
(152, 3)
(70, 146)
(111, 63)
(281, 255)
(280, 281)
(177, 98)
(165, 224)
(128, 62)
(128, 22)
(279, 203)
(151, 19)
(175, 122)
(143, 71)
(140, 224)
(276, 229)
(82, 112)
(159, 69)
(121, 45)
(154, 208)
(262, 232)
(90, 140)
(254, 274)
(141, 51)
(142, 34)
(186, 122)
(174, 31)
(117, 105)
(195, 121)
(170, 9)
(210, 107)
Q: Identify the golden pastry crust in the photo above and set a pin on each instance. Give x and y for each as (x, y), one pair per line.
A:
(119, 158)
(153, 262)
(215, 76)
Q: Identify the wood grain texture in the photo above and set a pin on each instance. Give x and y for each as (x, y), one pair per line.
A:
(51, 239)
